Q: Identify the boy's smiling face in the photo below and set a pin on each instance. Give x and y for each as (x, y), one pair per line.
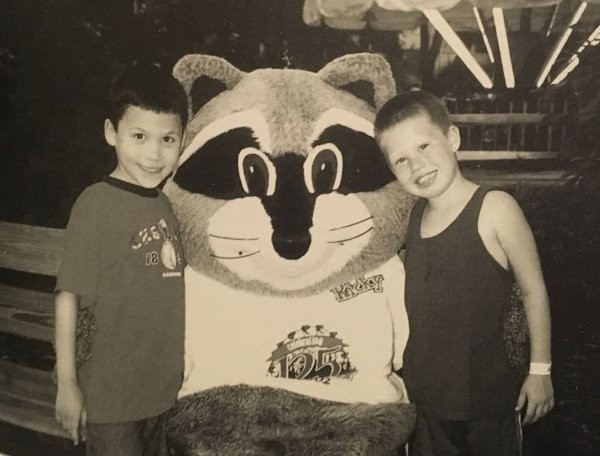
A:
(421, 155)
(147, 144)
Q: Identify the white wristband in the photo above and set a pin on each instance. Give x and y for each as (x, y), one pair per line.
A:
(540, 368)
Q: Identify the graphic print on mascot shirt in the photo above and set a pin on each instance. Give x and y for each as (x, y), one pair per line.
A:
(290, 220)
(311, 353)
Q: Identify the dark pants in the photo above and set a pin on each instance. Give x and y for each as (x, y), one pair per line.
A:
(489, 436)
(134, 438)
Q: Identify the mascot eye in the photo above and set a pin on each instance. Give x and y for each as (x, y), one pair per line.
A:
(257, 173)
(323, 169)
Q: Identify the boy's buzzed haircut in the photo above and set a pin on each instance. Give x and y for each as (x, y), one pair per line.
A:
(411, 104)
(149, 87)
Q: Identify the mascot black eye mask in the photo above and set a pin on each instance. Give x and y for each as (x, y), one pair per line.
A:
(291, 222)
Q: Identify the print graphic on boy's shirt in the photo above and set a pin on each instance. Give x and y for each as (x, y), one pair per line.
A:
(311, 353)
(169, 255)
(351, 289)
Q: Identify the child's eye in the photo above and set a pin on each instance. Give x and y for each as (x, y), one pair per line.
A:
(169, 139)
(400, 161)
(138, 136)
(423, 147)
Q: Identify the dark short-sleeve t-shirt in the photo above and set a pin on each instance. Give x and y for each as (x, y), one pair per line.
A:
(123, 257)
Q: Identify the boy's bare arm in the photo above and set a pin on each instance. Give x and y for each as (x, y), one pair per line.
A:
(70, 411)
(517, 241)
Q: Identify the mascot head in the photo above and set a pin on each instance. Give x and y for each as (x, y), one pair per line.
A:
(281, 188)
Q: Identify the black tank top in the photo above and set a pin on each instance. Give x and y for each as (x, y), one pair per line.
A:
(455, 364)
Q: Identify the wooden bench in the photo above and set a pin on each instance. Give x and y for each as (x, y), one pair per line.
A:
(27, 394)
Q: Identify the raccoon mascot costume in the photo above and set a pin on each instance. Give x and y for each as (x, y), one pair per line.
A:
(291, 223)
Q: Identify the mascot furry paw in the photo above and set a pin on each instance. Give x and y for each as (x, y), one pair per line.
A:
(291, 221)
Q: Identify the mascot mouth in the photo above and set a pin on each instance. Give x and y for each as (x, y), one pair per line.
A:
(239, 248)
(294, 248)
(251, 248)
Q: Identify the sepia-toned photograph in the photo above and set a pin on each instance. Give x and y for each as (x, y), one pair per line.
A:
(299, 228)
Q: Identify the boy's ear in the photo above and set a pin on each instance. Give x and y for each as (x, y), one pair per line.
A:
(454, 137)
(110, 133)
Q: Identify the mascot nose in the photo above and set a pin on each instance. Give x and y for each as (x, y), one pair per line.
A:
(290, 247)
(291, 208)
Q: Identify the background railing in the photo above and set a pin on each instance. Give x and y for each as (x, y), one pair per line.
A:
(497, 130)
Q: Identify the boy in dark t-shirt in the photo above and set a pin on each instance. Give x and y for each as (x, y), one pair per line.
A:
(123, 262)
(464, 244)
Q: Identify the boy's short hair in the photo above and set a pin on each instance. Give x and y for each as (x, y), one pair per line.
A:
(410, 104)
(149, 87)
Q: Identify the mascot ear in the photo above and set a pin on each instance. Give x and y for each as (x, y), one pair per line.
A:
(355, 72)
(203, 77)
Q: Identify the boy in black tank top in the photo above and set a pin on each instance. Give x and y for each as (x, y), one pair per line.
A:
(464, 244)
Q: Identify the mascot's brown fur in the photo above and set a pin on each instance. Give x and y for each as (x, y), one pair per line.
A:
(291, 223)
(243, 420)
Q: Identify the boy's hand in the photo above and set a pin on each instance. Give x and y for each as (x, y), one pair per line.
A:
(537, 392)
(70, 412)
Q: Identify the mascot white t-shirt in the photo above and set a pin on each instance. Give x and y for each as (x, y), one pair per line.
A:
(336, 345)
